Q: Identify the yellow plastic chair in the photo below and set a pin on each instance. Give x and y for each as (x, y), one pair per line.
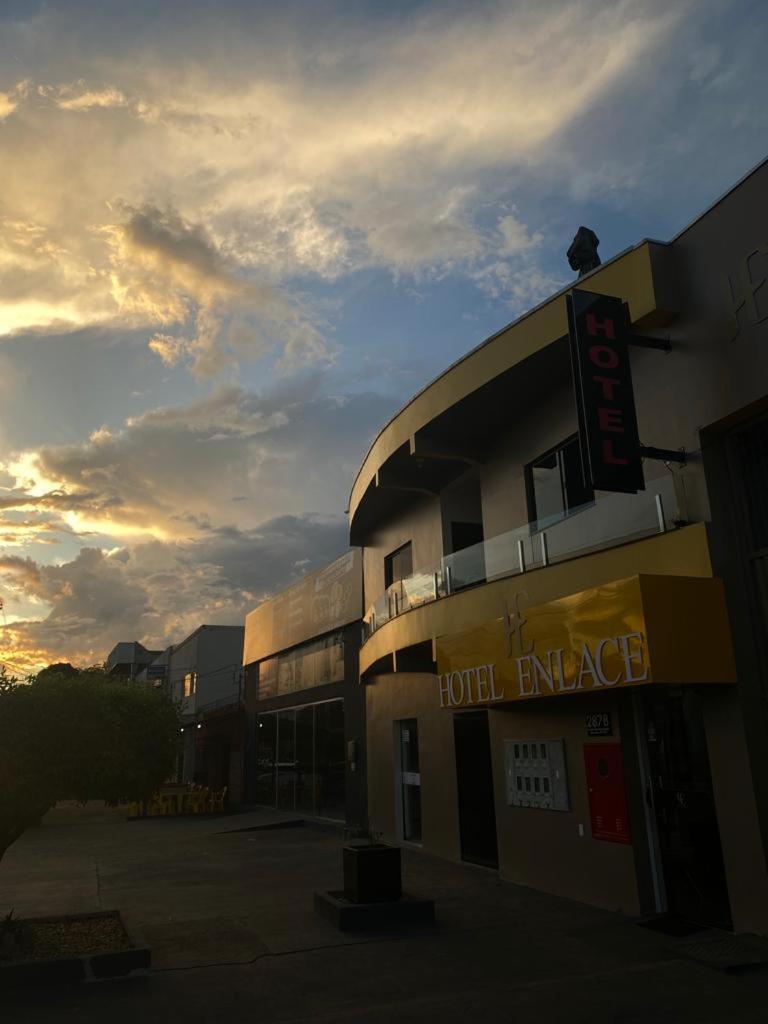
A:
(217, 799)
(168, 800)
(156, 806)
(198, 801)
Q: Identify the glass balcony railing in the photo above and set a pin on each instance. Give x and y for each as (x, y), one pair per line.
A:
(613, 519)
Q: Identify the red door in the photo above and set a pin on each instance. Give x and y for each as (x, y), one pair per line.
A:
(607, 797)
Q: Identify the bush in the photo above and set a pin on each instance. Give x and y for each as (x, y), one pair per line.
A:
(79, 736)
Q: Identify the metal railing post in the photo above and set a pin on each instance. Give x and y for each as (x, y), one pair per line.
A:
(544, 551)
(521, 554)
(448, 581)
(660, 514)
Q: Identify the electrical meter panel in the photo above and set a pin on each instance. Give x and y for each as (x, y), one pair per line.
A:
(536, 775)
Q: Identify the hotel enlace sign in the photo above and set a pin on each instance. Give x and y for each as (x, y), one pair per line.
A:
(628, 633)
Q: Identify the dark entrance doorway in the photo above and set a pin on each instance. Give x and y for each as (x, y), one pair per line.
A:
(684, 805)
(477, 810)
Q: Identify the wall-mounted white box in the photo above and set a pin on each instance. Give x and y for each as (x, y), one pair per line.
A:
(536, 775)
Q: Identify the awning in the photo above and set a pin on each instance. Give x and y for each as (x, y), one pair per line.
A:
(672, 630)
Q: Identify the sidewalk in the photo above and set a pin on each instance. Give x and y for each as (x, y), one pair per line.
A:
(229, 918)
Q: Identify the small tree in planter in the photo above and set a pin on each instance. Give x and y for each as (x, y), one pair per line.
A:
(79, 736)
(372, 871)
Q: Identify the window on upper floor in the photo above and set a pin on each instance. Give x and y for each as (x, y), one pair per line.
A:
(315, 663)
(461, 510)
(398, 565)
(554, 482)
(190, 684)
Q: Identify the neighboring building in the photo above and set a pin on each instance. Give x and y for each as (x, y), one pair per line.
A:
(303, 698)
(203, 673)
(155, 673)
(552, 685)
(129, 658)
(205, 676)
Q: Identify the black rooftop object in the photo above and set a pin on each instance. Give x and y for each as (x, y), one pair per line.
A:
(582, 253)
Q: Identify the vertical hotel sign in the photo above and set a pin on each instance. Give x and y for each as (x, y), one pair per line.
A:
(598, 326)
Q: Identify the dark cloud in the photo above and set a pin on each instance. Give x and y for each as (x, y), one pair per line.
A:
(170, 272)
(174, 472)
(177, 468)
(158, 592)
(166, 234)
(61, 499)
(24, 573)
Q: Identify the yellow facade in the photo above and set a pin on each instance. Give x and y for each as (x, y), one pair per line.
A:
(631, 632)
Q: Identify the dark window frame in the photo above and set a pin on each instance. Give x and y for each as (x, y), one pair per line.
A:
(389, 578)
(530, 491)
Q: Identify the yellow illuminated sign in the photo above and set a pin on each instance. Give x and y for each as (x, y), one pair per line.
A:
(632, 632)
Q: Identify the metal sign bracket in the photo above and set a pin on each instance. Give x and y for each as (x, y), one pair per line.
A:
(663, 454)
(642, 341)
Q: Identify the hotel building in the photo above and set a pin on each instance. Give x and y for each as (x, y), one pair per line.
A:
(564, 662)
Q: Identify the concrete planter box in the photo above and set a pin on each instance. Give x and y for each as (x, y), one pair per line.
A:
(372, 873)
(360, 917)
(96, 966)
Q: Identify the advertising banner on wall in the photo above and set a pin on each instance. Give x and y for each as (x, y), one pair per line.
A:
(320, 602)
(598, 326)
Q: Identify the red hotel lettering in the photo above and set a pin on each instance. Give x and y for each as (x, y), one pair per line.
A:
(608, 384)
(609, 458)
(611, 420)
(605, 325)
(609, 361)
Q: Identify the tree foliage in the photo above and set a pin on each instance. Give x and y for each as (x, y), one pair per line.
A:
(59, 668)
(79, 735)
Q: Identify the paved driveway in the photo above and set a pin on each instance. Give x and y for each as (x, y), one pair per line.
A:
(228, 915)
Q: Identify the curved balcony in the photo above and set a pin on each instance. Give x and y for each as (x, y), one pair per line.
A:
(639, 275)
(610, 521)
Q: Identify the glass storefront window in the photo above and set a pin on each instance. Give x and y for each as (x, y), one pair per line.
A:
(305, 759)
(300, 760)
(266, 750)
(286, 760)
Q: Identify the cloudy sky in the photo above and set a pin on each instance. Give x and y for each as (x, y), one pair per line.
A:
(235, 237)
